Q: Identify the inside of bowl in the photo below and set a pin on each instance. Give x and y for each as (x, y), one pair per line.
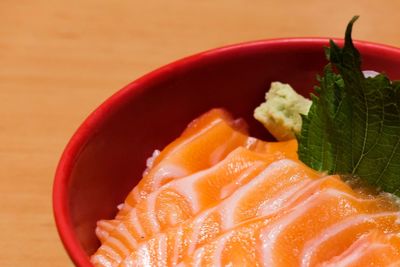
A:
(156, 109)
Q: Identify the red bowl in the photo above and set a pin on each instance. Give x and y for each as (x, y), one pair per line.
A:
(106, 156)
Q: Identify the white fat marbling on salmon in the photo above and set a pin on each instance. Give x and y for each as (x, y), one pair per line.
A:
(198, 256)
(219, 248)
(312, 245)
(111, 253)
(170, 170)
(196, 226)
(112, 248)
(134, 221)
(355, 252)
(151, 212)
(173, 218)
(136, 196)
(296, 194)
(162, 250)
(359, 253)
(103, 229)
(226, 209)
(229, 206)
(128, 262)
(232, 186)
(195, 136)
(176, 171)
(112, 241)
(167, 171)
(121, 228)
(216, 155)
(186, 188)
(178, 241)
(309, 187)
(101, 234)
(271, 233)
(250, 142)
(313, 185)
(144, 256)
(140, 257)
(101, 260)
(183, 186)
(282, 200)
(106, 224)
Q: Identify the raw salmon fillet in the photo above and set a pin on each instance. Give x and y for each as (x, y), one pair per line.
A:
(255, 204)
(281, 239)
(285, 188)
(267, 193)
(206, 141)
(375, 248)
(181, 199)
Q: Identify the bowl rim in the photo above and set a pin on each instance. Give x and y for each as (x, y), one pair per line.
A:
(85, 131)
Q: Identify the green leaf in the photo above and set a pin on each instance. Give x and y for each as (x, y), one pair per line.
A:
(353, 126)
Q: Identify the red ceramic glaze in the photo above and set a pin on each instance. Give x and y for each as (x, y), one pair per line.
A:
(106, 156)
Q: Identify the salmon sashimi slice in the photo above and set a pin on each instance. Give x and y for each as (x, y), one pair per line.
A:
(269, 240)
(163, 250)
(181, 199)
(265, 195)
(283, 240)
(286, 149)
(217, 197)
(205, 142)
(339, 237)
(375, 248)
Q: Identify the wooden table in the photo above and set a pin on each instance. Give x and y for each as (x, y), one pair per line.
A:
(61, 59)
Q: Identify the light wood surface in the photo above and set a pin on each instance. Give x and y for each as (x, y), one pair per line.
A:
(61, 59)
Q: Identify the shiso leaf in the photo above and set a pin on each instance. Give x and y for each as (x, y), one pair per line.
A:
(353, 126)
